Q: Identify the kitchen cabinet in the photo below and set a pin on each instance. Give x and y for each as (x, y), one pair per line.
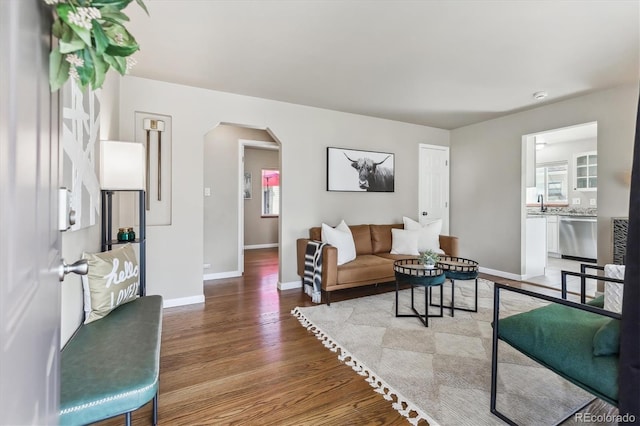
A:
(553, 248)
(586, 171)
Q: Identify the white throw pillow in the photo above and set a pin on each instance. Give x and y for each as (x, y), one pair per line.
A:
(341, 238)
(404, 242)
(428, 234)
(613, 291)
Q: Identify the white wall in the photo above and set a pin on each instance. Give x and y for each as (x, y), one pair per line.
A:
(87, 239)
(175, 253)
(486, 173)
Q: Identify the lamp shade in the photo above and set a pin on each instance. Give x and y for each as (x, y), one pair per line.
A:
(122, 165)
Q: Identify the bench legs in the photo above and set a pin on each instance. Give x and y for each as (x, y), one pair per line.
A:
(155, 409)
(154, 419)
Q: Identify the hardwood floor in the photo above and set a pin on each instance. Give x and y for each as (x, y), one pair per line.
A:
(242, 358)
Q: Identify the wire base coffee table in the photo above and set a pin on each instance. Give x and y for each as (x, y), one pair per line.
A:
(458, 268)
(412, 272)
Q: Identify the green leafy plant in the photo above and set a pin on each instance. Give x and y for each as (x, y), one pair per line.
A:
(429, 257)
(91, 39)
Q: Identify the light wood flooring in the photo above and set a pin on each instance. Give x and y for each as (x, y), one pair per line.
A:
(242, 358)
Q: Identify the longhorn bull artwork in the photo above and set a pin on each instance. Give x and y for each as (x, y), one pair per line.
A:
(354, 170)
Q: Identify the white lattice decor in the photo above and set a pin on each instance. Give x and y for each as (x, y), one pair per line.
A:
(80, 135)
(613, 291)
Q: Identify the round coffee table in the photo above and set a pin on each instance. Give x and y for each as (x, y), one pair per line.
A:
(412, 272)
(458, 268)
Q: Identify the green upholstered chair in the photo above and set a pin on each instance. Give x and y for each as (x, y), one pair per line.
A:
(578, 341)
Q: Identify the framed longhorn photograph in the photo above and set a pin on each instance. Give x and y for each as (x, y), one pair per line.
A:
(360, 171)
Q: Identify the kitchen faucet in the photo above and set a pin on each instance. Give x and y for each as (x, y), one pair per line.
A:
(541, 201)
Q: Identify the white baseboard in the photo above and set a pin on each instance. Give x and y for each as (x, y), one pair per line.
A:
(289, 285)
(261, 246)
(502, 274)
(181, 301)
(219, 275)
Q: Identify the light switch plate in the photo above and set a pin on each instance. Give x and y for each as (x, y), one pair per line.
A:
(64, 209)
(207, 192)
(592, 201)
(576, 201)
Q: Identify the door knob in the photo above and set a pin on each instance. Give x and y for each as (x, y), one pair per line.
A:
(424, 213)
(81, 267)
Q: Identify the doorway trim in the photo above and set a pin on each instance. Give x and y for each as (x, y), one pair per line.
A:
(528, 166)
(243, 143)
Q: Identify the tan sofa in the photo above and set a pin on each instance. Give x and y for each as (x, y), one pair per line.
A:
(373, 263)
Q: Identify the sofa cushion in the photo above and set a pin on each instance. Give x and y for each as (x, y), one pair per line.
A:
(395, 257)
(362, 238)
(365, 267)
(381, 237)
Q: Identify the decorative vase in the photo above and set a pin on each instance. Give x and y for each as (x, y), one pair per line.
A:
(123, 235)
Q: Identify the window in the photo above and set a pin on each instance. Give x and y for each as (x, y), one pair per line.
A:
(270, 193)
(552, 182)
(586, 177)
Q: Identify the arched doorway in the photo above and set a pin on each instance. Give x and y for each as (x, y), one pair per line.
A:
(224, 199)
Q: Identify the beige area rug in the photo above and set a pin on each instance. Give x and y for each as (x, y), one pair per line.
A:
(442, 374)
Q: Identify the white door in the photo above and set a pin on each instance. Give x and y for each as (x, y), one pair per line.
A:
(434, 185)
(30, 241)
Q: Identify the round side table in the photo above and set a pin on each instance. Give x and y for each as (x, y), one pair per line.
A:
(412, 272)
(458, 268)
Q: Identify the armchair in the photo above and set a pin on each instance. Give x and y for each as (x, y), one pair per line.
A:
(578, 341)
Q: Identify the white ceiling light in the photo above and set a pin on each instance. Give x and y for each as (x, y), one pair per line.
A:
(538, 96)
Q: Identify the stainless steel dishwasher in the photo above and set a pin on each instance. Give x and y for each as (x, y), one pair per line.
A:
(579, 237)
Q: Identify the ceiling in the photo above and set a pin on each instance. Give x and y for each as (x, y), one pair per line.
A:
(444, 64)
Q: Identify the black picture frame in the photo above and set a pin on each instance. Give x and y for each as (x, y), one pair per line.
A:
(355, 170)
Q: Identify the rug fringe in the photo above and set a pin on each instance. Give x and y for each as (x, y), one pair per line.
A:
(402, 405)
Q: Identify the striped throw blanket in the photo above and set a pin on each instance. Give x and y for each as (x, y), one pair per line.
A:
(313, 270)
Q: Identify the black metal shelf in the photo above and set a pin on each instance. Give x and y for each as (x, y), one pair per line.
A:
(116, 242)
(107, 229)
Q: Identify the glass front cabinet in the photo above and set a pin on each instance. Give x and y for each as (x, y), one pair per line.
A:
(586, 171)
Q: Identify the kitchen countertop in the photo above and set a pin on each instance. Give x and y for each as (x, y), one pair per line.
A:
(562, 211)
